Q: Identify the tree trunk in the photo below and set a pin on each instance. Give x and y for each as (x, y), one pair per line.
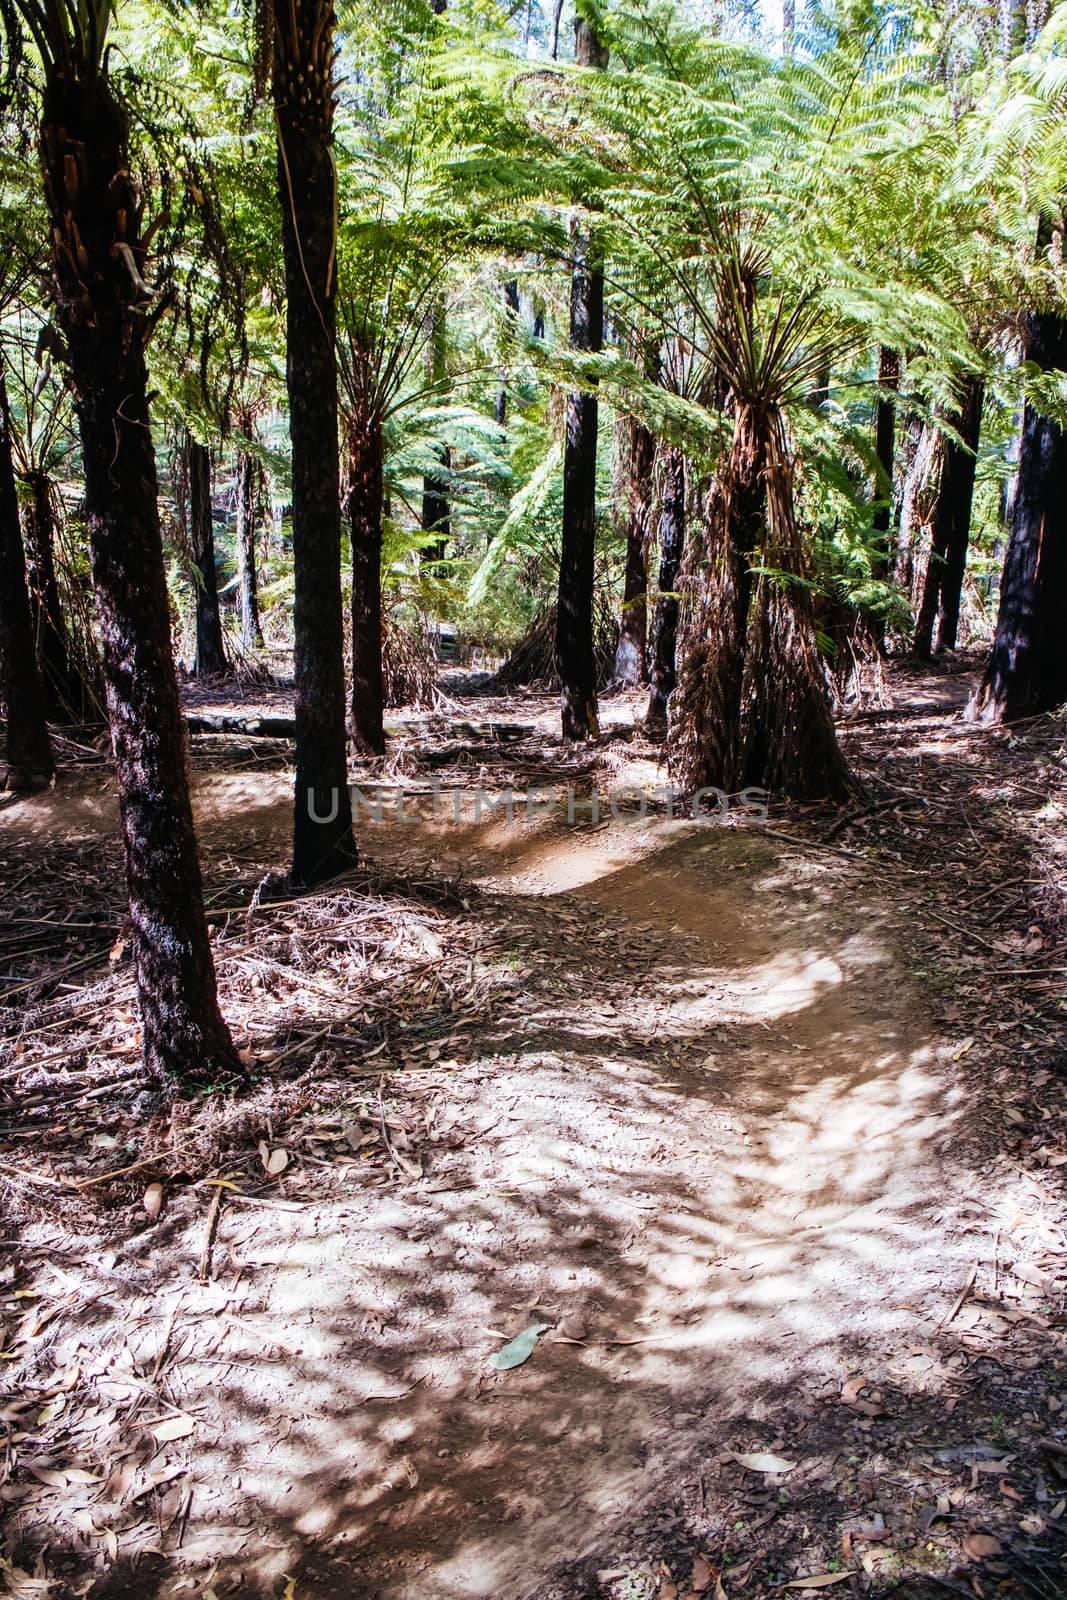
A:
(511, 316)
(751, 708)
(95, 216)
(28, 749)
(630, 655)
(665, 619)
(575, 659)
(789, 28)
(706, 740)
(65, 694)
(436, 508)
(247, 584)
(365, 499)
(957, 493)
(210, 650)
(884, 439)
(1027, 670)
(303, 102)
(918, 457)
(950, 532)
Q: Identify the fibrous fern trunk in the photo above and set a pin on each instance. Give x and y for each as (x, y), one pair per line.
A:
(303, 91)
(97, 287)
(28, 748)
(751, 708)
(364, 504)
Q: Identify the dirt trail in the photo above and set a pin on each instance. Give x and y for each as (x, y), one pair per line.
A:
(724, 1159)
(719, 1139)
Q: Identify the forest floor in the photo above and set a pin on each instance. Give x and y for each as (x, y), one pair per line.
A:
(760, 1121)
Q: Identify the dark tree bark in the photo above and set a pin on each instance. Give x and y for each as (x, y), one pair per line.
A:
(28, 749)
(365, 500)
(210, 650)
(630, 654)
(959, 497)
(884, 439)
(575, 655)
(65, 694)
(303, 87)
(436, 507)
(97, 287)
(950, 532)
(662, 677)
(247, 583)
(1027, 670)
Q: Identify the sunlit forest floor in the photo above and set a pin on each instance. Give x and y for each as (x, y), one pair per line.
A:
(762, 1120)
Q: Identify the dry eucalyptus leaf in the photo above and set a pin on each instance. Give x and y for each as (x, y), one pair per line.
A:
(152, 1199)
(179, 1427)
(274, 1161)
(763, 1461)
(821, 1580)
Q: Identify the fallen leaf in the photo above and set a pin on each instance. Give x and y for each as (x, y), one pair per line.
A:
(852, 1390)
(821, 1580)
(152, 1200)
(274, 1161)
(519, 1349)
(981, 1546)
(760, 1461)
(178, 1427)
(703, 1572)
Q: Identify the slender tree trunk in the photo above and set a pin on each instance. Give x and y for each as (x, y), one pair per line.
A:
(511, 317)
(28, 749)
(958, 495)
(630, 655)
(436, 508)
(950, 532)
(884, 439)
(919, 455)
(64, 692)
(366, 491)
(665, 619)
(1027, 670)
(303, 101)
(95, 215)
(789, 28)
(575, 655)
(210, 650)
(247, 584)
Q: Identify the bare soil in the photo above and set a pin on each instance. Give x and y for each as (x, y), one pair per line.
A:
(761, 1120)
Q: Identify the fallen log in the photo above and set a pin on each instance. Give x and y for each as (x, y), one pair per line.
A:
(249, 727)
